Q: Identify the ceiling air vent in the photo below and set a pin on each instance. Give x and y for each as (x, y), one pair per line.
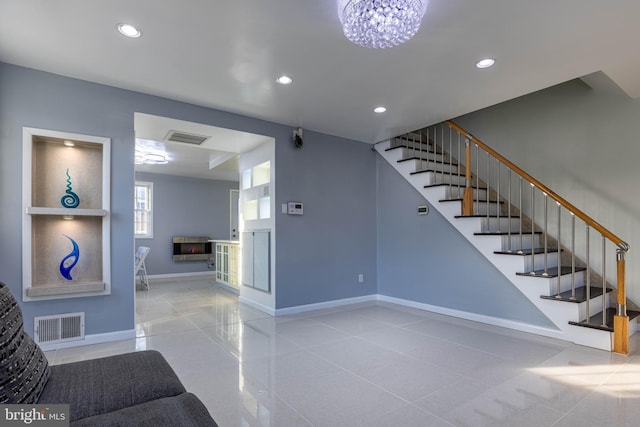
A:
(185, 138)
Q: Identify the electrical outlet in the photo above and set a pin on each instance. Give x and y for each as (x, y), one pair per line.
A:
(360, 278)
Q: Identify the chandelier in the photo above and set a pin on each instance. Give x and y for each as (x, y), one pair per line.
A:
(381, 23)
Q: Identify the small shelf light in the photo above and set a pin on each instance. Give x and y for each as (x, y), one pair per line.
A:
(379, 109)
(284, 80)
(129, 30)
(67, 217)
(68, 143)
(485, 63)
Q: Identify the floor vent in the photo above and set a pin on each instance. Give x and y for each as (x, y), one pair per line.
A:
(59, 328)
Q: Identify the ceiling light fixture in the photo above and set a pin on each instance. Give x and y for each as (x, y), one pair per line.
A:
(129, 30)
(150, 158)
(485, 63)
(379, 110)
(284, 80)
(381, 23)
(154, 159)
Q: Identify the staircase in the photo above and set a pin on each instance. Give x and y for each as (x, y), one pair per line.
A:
(564, 262)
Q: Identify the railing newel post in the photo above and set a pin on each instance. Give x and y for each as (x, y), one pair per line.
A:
(467, 198)
(621, 320)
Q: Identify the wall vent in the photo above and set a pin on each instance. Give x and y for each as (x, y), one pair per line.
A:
(59, 328)
(185, 138)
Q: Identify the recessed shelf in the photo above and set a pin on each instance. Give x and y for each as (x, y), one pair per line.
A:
(66, 224)
(65, 211)
(57, 289)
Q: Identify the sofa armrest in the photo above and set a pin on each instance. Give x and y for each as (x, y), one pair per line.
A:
(184, 410)
(98, 386)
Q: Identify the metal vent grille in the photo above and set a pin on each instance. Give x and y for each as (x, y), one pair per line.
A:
(185, 138)
(59, 328)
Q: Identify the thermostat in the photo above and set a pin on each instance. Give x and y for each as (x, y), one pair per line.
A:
(423, 210)
(295, 208)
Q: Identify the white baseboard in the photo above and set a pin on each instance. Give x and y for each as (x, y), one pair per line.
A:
(323, 305)
(481, 318)
(92, 339)
(263, 308)
(495, 321)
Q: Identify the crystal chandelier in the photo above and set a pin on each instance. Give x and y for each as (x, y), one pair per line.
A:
(381, 23)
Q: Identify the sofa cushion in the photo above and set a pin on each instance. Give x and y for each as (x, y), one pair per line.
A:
(184, 410)
(24, 368)
(97, 386)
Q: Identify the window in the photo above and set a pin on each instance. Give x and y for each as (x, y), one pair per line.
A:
(143, 209)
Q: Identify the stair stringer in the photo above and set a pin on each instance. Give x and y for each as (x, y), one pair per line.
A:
(558, 313)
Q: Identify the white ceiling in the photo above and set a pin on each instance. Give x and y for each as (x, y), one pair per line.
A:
(227, 55)
(215, 158)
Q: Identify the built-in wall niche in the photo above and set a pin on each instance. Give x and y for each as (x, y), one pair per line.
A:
(256, 192)
(66, 223)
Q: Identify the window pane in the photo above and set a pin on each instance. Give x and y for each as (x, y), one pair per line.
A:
(143, 209)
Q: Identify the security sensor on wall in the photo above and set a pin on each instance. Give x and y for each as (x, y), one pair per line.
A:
(297, 137)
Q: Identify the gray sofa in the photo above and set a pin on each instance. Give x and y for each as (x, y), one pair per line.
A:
(133, 389)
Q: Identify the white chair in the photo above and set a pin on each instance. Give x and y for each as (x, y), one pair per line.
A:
(140, 268)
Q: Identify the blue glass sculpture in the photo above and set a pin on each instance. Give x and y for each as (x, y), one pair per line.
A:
(67, 262)
(71, 199)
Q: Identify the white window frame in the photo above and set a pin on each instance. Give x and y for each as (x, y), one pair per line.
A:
(149, 210)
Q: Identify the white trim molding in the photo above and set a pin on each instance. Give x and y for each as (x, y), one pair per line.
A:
(93, 339)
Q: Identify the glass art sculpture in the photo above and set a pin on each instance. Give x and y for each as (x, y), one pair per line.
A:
(69, 261)
(71, 199)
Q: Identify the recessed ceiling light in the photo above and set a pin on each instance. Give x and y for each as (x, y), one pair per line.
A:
(284, 80)
(129, 30)
(485, 63)
(379, 110)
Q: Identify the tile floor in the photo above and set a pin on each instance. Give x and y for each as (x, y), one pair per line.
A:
(373, 364)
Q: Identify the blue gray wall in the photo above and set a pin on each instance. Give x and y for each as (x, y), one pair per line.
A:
(335, 177)
(320, 254)
(184, 207)
(41, 100)
(425, 259)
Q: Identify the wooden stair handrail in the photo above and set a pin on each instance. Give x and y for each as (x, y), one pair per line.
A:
(571, 208)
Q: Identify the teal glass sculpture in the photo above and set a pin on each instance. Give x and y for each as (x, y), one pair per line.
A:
(71, 199)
